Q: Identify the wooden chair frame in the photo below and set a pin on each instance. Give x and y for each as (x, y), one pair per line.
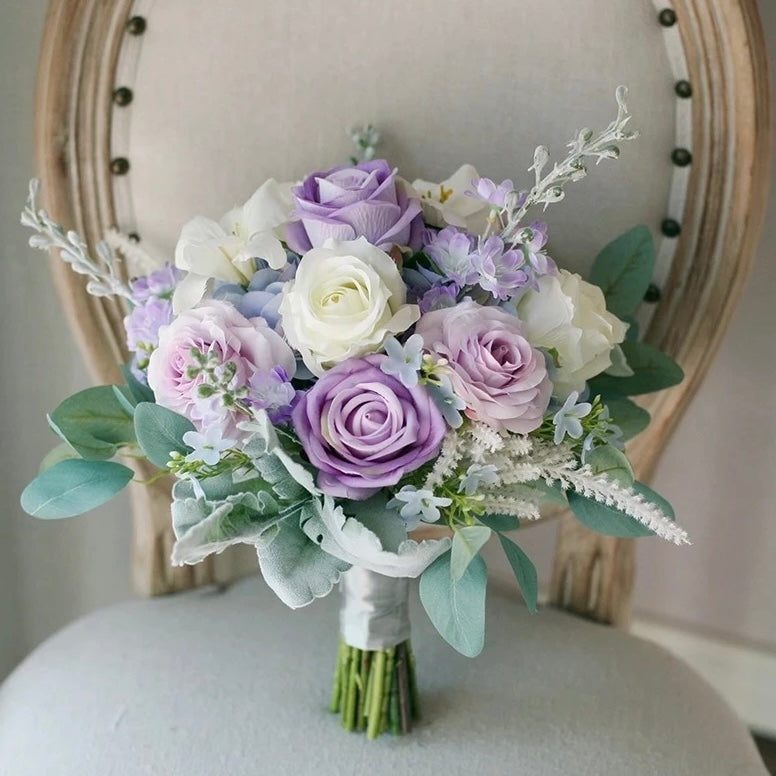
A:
(726, 59)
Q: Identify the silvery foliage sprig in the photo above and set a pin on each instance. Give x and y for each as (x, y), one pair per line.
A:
(365, 139)
(550, 188)
(104, 278)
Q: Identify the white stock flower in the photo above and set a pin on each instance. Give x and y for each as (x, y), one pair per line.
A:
(447, 203)
(227, 249)
(346, 299)
(568, 317)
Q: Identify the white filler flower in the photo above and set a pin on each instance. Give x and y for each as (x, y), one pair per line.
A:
(228, 249)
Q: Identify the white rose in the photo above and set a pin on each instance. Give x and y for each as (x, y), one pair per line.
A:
(568, 316)
(446, 202)
(346, 299)
(227, 249)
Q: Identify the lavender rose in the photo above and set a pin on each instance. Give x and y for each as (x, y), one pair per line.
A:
(494, 369)
(363, 429)
(221, 335)
(346, 203)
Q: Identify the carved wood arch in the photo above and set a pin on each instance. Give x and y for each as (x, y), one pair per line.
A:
(726, 57)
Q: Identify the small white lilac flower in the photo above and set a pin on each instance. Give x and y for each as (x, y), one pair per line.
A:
(478, 475)
(567, 419)
(404, 361)
(417, 505)
(207, 446)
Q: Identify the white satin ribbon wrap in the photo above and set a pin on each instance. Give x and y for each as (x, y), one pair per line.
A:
(375, 609)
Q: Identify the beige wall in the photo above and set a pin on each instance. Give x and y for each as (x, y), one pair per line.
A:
(719, 470)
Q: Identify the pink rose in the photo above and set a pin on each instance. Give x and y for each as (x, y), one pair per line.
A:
(494, 369)
(222, 335)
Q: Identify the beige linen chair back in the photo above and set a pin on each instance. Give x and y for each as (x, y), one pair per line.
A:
(151, 112)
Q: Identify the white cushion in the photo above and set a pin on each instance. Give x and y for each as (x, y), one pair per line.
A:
(232, 683)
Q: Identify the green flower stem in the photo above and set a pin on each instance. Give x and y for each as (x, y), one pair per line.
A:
(375, 690)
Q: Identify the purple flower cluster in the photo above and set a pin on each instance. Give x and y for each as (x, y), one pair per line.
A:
(152, 295)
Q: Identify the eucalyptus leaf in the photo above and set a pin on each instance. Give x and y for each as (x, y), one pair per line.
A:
(456, 607)
(125, 398)
(626, 414)
(140, 391)
(72, 487)
(94, 423)
(160, 432)
(613, 463)
(524, 570)
(296, 568)
(62, 452)
(623, 270)
(467, 542)
(500, 522)
(652, 371)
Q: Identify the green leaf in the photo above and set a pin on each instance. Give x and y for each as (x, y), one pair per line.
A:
(139, 391)
(160, 432)
(626, 414)
(296, 568)
(125, 398)
(623, 270)
(456, 607)
(93, 423)
(655, 498)
(613, 463)
(73, 487)
(62, 452)
(500, 522)
(653, 371)
(467, 542)
(524, 570)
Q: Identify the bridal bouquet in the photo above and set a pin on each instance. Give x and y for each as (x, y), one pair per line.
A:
(340, 361)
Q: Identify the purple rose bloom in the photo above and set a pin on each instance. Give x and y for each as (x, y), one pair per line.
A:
(364, 430)
(346, 203)
(493, 368)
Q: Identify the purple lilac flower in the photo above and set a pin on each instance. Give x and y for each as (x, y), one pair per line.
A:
(159, 284)
(493, 193)
(438, 298)
(501, 269)
(144, 321)
(453, 251)
(271, 390)
(533, 239)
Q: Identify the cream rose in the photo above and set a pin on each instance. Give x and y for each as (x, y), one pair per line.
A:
(568, 317)
(346, 299)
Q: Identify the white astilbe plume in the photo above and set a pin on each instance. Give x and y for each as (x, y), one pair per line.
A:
(103, 273)
(504, 504)
(138, 260)
(444, 466)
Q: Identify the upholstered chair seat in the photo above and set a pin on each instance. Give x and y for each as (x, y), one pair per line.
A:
(230, 682)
